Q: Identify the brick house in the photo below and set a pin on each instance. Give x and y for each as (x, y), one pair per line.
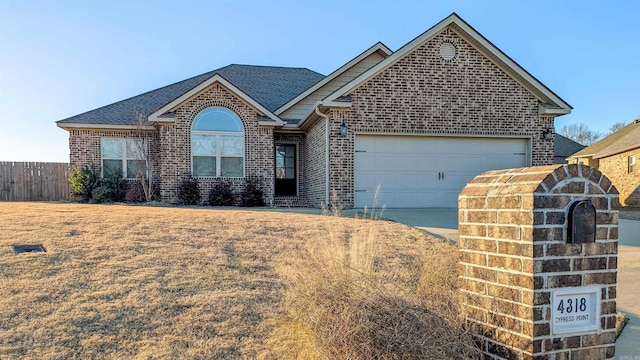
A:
(617, 156)
(418, 123)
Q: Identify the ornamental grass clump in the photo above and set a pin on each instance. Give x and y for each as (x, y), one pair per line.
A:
(339, 305)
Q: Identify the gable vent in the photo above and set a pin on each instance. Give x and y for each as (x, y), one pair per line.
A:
(447, 51)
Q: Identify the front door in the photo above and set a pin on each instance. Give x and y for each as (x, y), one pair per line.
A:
(285, 182)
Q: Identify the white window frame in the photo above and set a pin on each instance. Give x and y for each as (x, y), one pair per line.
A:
(126, 156)
(218, 155)
(632, 164)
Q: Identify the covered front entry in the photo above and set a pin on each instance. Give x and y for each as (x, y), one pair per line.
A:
(427, 171)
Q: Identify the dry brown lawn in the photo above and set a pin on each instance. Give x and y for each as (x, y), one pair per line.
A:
(143, 282)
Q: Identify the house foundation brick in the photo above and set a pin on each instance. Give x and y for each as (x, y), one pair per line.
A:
(510, 273)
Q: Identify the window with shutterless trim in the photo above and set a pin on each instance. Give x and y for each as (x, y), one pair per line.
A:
(217, 144)
(123, 157)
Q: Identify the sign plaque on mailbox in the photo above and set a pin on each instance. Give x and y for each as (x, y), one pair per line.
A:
(582, 222)
(575, 310)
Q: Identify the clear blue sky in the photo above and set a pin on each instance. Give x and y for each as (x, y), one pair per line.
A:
(62, 58)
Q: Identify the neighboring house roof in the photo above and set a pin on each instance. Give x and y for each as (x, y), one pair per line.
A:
(550, 102)
(565, 147)
(269, 86)
(625, 139)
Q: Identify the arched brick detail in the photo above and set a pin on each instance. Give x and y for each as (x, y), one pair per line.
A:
(176, 142)
(514, 253)
(215, 103)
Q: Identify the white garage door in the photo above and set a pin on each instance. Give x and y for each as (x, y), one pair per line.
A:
(419, 172)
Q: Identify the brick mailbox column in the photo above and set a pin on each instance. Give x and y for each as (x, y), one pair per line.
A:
(538, 259)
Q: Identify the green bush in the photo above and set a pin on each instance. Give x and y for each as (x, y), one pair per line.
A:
(116, 186)
(111, 189)
(252, 195)
(188, 191)
(221, 194)
(83, 181)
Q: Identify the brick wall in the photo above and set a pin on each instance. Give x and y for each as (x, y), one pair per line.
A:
(514, 253)
(424, 94)
(315, 160)
(84, 146)
(616, 169)
(175, 143)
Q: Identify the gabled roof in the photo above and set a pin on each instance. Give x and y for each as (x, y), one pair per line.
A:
(378, 47)
(625, 139)
(564, 147)
(554, 104)
(269, 86)
(167, 114)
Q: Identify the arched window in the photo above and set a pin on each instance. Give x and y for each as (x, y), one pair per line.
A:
(217, 144)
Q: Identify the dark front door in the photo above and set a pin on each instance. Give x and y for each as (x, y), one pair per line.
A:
(285, 183)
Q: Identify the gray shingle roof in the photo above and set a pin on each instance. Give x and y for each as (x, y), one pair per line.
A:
(565, 147)
(622, 140)
(270, 86)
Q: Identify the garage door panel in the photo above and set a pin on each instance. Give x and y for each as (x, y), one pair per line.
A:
(365, 163)
(410, 168)
(386, 162)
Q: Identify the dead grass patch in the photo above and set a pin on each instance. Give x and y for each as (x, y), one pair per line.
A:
(149, 282)
(349, 298)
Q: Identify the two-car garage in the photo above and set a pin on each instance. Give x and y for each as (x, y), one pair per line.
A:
(427, 171)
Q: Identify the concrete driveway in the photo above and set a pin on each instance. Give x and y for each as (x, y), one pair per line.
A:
(439, 222)
(628, 292)
(443, 223)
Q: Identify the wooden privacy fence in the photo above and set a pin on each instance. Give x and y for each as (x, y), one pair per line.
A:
(34, 181)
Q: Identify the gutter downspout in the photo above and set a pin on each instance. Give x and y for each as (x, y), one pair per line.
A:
(326, 145)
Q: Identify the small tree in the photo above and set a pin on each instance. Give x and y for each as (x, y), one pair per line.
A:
(143, 150)
(580, 133)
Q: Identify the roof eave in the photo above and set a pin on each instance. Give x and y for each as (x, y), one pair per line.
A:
(616, 152)
(69, 126)
(322, 106)
(557, 111)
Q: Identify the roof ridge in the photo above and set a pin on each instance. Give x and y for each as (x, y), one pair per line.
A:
(274, 67)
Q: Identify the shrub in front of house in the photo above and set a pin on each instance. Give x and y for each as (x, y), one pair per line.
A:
(188, 191)
(221, 194)
(252, 194)
(112, 188)
(83, 181)
(135, 193)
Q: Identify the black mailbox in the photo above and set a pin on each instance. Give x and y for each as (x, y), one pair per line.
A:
(582, 222)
